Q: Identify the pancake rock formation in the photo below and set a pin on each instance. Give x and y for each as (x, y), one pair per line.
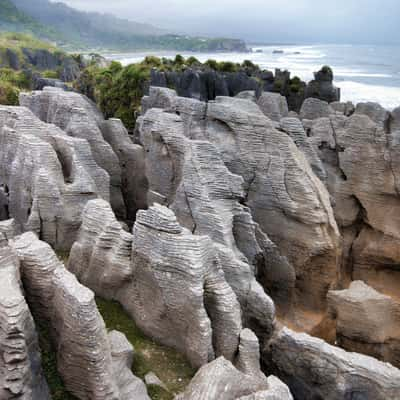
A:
(86, 354)
(47, 177)
(21, 375)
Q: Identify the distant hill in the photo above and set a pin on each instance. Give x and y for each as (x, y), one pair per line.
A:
(16, 20)
(83, 30)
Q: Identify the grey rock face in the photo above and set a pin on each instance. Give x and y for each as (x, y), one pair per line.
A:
(220, 380)
(361, 157)
(313, 108)
(273, 105)
(190, 177)
(130, 387)
(7, 231)
(294, 128)
(21, 375)
(367, 321)
(286, 198)
(79, 118)
(250, 147)
(202, 321)
(47, 176)
(84, 355)
(315, 370)
(131, 159)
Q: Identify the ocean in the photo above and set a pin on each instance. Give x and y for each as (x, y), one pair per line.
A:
(363, 72)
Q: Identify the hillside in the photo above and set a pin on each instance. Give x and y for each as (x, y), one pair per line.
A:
(83, 30)
(15, 20)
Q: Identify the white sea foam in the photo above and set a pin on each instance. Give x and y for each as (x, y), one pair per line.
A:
(388, 97)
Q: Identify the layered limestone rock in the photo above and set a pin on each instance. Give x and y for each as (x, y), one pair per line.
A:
(273, 105)
(286, 199)
(21, 375)
(315, 370)
(170, 281)
(190, 177)
(48, 176)
(68, 309)
(294, 128)
(78, 117)
(361, 158)
(313, 108)
(131, 159)
(7, 231)
(367, 321)
(243, 380)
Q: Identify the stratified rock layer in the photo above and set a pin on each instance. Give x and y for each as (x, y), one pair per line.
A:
(47, 175)
(190, 177)
(170, 281)
(84, 354)
(78, 117)
(367, 321)
(315, 370)
(21, 375)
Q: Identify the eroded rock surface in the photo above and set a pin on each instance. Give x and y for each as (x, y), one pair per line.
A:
(21, 375)
(78, 117)
(47, 175)
(367, 321)
(315, 370)
(68, 309)
(146, 271)
(190, 177)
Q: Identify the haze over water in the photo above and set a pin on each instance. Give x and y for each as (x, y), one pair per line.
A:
(363, 72)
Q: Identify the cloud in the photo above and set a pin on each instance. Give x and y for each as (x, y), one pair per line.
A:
(264, 20)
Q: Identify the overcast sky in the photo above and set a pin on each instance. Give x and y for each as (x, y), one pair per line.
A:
(336, 21)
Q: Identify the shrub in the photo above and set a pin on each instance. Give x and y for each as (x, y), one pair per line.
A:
(8, 94)
(192, 61)
(179, 60)
(213, 64)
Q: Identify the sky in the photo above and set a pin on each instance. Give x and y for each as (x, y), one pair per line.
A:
(277, 21)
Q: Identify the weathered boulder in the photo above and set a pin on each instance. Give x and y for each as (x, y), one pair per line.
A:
(68, 309)
(346, 109)
(190, 177)
(48, 176)
(273, 105)
(375, 112)
(78, 117)
(21, 375)
(313, 108)
(202, 321)
(367, 321)
(122, 353)
(314, 369)
(243, 380)
(220, 380)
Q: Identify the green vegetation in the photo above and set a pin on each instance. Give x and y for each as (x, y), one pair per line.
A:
(15, 20)
(326, 70)
(170, 366)
(296, 85)
(11, 82)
